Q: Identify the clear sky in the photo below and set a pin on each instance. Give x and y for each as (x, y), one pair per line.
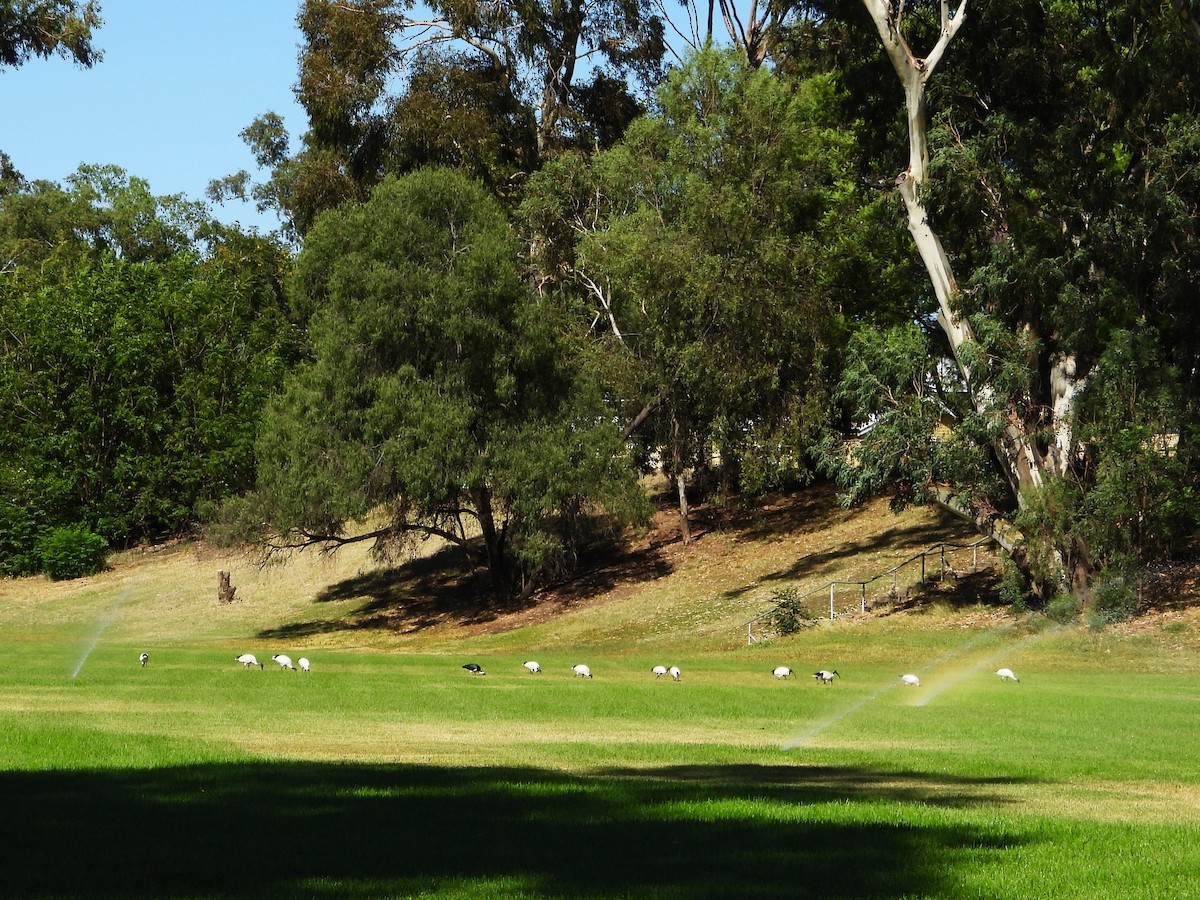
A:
(179, 80)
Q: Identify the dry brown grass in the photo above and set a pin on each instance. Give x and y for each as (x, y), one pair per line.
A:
(653, 590)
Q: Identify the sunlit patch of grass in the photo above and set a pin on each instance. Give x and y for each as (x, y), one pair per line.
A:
(390, 771)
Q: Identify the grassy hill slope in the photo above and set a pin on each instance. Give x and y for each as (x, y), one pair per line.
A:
(657, 594)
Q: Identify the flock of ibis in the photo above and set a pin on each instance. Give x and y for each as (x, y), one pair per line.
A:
(823, 676)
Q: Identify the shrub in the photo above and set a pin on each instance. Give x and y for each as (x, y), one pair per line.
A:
(1063, 610)
(789, 616)
(1014, 587)
(72, 552)
(1114, 599)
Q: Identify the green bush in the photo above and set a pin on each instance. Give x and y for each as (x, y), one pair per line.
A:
(789, 616)
(1063, 610)
(72, 552)
(1114, 599)
(1014, 587)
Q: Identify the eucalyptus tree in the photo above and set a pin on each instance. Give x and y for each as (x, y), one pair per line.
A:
(44, 28)
(702, 254)
(440, 399)
(1068, 212)
(551, 54)
(491, 88)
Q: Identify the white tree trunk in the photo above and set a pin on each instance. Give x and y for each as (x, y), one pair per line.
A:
(1024, 465)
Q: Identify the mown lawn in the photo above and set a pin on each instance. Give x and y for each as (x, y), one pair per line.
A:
(399, 774)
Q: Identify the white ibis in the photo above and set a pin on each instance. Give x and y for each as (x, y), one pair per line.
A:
(782, 672)
(911, 680)
(475, 669)
(1007, 675)
(532, 666)
(825, 676)
(675, 673)
(659, 671)
(285, 662)
(143, 659)
(582, 671)
(247, 660)
(304, 664)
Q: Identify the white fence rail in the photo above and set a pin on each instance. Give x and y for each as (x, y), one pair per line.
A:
(922, 559)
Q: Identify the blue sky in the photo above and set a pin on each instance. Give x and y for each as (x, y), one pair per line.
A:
(179, 80)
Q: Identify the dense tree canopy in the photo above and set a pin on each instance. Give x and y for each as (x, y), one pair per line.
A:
(697, 250)
(440, 399)
(1044, 196)
(129, 393)
(134, 359)
(709, 270)
(493, 89)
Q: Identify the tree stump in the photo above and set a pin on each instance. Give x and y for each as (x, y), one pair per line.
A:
(225, 591)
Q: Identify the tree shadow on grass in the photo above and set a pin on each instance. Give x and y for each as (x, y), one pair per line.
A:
(351, 830)
(434, 590)
(417, 594)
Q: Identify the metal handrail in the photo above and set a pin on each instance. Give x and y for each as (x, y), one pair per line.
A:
(834, 585)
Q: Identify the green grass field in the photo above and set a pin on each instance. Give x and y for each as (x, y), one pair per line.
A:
(390, 771)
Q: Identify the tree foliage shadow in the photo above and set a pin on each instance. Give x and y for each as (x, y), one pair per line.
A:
(352, 830)
(417, 594)
(436, 589)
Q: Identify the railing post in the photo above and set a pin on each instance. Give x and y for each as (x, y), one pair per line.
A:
(975, 557)
(922, 582)
(864, 599)
(832, 591)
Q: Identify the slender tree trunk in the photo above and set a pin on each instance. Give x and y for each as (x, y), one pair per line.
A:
(684, 531)
(1024, 465)
(680, 481)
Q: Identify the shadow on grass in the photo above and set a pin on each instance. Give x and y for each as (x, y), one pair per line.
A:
(418, 594)
(437, 589)
(325, 830)
(433, 590)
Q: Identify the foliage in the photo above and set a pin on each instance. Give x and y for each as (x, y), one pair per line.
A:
(439, 393)
(788, 615)
(100, 210)
(1067, 207)
(491, 89)
(1014, 587)
(132, 371)
(44, 28)
(72, 552)
(1114, 598)
(692, 254)
(890, 382)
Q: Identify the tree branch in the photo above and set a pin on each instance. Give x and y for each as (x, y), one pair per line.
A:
(645, 412)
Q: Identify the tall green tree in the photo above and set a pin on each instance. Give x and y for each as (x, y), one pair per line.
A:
(440, 399)
(1050, 167)
(99, 209)
(553, 56)
(702, 254)
(138, 340)
(491, 89)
